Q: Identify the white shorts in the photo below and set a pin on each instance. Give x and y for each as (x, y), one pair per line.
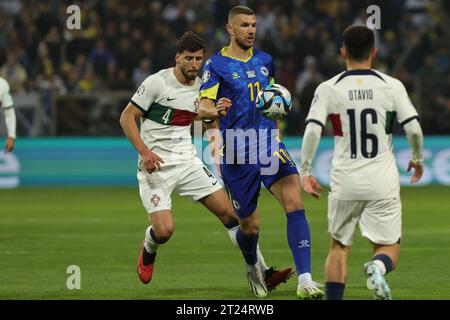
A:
(380, 221)
(191, 179)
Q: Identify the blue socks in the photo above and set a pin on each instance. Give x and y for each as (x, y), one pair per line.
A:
(334, 290)
(386, 260)
(299, 240)
(248, 246)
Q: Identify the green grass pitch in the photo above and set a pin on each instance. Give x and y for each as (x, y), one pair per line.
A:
(44, 230)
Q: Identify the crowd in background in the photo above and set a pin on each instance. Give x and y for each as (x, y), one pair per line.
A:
(121, 42)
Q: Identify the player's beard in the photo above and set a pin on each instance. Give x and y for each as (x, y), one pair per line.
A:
(241, 44)
(189, 75)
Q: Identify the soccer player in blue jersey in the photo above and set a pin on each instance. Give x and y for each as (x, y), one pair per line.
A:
(253, 151)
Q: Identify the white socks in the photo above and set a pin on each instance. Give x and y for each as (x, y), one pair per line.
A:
(304, 278)
(380, 265)
(232, 233)
(149, 243)
(261, 261)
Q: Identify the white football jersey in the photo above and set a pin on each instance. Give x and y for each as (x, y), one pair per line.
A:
(5, 96)
(362, 106)
(169, 108)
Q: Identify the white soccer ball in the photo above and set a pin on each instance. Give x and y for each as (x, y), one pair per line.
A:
(274, 101)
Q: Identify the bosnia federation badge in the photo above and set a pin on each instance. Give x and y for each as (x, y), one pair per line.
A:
(264, 71)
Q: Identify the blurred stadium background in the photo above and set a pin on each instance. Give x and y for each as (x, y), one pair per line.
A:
(70, 86)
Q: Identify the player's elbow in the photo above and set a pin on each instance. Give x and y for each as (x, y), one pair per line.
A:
(413, 130)
(122, 119)
(125, 119)
(313, 130)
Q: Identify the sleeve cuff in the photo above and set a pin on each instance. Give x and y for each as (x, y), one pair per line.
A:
(404, 122)
(138, 106)
(210, 93)
(315, 121)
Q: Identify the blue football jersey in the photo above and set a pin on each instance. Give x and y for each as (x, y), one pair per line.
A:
(240, 81)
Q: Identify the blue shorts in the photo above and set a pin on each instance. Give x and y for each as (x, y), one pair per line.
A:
(243, 181)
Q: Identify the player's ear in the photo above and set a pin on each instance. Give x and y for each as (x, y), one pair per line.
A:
(344, 52)
(373, 52)
(230, 29)
(177, 58)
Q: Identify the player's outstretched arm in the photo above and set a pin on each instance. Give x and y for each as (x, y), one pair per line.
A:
(311, 140)
(415, 138)
(280, 135)
(10, 119)
(207, 109)
(310, 185)
(128, 120)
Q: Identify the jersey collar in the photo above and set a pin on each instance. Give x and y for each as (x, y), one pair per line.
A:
(359, 72)
(225, 54)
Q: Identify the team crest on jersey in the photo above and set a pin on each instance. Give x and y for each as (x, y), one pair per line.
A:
(251, 74)
(235, 75)
(140, 91)
(206, 76)
(264, 71)
(155, 200)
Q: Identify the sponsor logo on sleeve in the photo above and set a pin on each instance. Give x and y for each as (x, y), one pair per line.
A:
(140, 91)
(206, 76)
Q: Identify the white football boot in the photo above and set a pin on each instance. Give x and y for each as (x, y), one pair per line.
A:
(256, 280)
(377, 282)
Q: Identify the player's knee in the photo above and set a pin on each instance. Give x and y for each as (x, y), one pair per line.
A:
(164, 233)
(337, 251)
(293, 203)
(228, 215)
(250, 229)
(164, 237)
(338, 248)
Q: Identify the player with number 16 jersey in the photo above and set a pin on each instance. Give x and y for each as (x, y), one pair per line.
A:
(166, 104)
(362, 105)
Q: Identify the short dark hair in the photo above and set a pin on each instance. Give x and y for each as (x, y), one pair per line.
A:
(239, 10)
(191, 42)
(359, 41)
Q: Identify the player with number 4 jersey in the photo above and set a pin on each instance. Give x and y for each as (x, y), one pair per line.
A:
(166, 105)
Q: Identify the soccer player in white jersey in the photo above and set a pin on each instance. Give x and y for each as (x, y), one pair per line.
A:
(362, 105)
(6, 104)
(166, 105)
